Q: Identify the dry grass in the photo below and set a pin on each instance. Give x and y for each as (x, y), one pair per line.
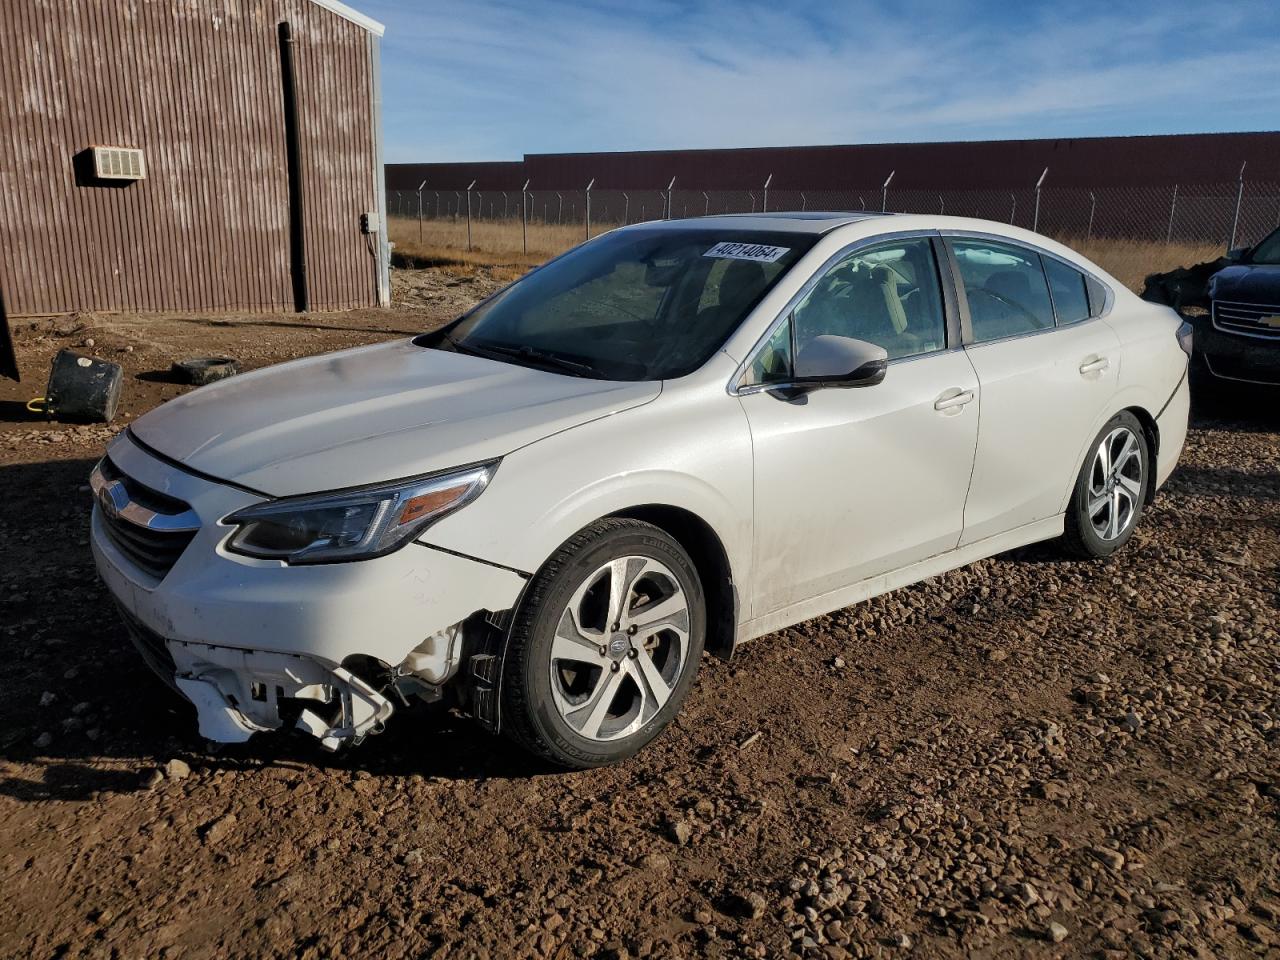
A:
(1131, 261)
(497, 246)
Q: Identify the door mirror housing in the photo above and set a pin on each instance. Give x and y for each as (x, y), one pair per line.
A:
(1238, 254)
(831, 361)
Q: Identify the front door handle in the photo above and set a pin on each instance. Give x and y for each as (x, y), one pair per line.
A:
(953, 399)
(1094, 365)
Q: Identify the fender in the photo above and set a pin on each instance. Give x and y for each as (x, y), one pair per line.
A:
(688, 449)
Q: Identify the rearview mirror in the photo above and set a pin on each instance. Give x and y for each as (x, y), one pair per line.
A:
(660, 274)
(831, 361)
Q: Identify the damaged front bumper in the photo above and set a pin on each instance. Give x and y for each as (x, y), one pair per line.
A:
(238, 693)
(258, 645)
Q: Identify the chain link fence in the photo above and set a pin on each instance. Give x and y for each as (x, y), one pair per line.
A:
(1230, 214)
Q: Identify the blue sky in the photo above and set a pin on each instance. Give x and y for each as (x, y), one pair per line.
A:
(492, 80)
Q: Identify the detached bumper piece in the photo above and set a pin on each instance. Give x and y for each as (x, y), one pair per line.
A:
(238, 693)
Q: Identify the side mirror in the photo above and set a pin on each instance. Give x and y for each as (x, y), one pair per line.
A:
(831, 361)
(1238, 254)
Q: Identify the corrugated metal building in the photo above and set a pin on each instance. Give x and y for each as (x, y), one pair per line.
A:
(246, 172)
(961, 165)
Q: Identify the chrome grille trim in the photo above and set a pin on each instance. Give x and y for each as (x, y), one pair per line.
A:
(150, 528)
(1258, 320)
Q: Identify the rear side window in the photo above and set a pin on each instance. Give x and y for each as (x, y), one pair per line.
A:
(1005, 287)
(1070, 293)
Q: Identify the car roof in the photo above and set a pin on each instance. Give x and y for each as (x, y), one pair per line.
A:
(778, 221)
(856, 224)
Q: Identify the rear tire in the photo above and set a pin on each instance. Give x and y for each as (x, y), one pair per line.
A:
(1111, 490)
(605, 645)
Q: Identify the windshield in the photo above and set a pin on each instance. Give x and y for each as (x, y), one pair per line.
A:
(647, 304)
(1268, 251)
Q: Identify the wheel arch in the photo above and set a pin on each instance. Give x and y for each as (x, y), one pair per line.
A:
(710, 559)
(1138, 404)
(1152, 431)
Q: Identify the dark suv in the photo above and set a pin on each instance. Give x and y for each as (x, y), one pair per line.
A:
(1240, 339)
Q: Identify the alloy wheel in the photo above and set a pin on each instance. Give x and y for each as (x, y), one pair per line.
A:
(620, 648)
(1115, 483)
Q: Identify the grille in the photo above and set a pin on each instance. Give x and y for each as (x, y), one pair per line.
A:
(153, 549)
(1254, 319)
(150, 645)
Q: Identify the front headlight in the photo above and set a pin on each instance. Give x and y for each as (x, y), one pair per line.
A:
(353, 524)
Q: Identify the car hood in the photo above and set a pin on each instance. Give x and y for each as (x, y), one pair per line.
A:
(1247, 283)
(372, 414)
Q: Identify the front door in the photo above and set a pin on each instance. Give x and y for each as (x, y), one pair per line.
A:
(851, 483)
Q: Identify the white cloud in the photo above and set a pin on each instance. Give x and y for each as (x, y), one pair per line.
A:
(493, 80)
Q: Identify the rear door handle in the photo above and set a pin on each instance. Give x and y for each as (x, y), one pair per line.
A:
(1096, 365)
(953, 399)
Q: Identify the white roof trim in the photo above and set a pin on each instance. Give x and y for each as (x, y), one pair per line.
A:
(355, 16)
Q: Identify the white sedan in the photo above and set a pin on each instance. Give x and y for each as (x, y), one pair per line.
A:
(672, 439)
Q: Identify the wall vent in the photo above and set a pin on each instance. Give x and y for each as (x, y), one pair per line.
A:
(119, 163)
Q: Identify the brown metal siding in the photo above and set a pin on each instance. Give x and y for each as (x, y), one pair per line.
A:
(1088, 162)
(196, 84)
(488, 175)
(1080, 162)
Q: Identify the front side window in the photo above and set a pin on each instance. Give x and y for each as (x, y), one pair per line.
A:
(1070, 291)
(1006, 289)
(647, 304)
(888, 295)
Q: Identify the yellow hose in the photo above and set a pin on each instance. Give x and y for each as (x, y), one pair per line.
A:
(38, 405)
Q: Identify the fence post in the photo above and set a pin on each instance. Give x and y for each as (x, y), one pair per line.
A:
(420, 186)
(942, 205)
(587, 206)
(752, 195)
(524, 217)
(884, 192)
(803, 203)
(469, 188)
(1235, 222)
(626, 209)
(706, 204)
(670, 193)
(1173, 205)
(437, 195)
(1013, 209)
(559, 208)
(1093, 205)
(1035, 221)
(768, 180)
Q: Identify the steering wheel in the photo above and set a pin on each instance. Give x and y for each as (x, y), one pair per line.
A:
(1030, 319)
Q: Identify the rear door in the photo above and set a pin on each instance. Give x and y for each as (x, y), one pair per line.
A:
(1048, 368)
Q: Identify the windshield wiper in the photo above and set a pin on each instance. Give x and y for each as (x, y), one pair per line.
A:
(529, 354)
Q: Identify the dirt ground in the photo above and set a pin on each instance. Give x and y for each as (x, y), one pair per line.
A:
(1024, 757)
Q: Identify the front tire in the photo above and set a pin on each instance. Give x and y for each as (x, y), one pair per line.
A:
(1110, 491)
(605, 645)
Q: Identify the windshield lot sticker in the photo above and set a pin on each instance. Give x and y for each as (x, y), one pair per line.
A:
(746, 251)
